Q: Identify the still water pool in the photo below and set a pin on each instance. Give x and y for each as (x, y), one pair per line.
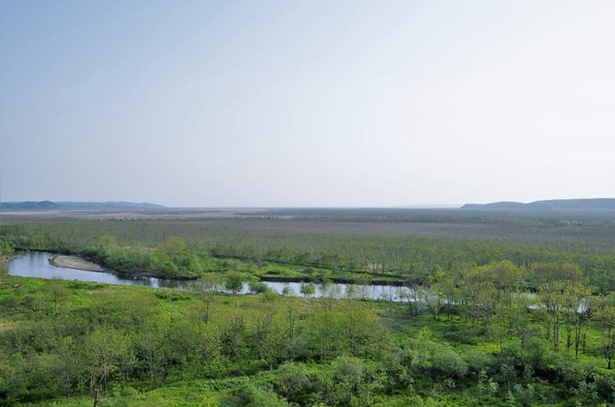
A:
(36, 264)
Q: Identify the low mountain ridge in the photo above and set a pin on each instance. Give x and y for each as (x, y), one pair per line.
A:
(596, 204)
(77, 206)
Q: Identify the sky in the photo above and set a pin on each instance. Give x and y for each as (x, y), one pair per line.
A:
(307, 103)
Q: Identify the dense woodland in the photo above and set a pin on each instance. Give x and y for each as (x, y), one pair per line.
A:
(513, 310)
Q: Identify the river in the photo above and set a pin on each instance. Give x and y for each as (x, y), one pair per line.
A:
(36, 264)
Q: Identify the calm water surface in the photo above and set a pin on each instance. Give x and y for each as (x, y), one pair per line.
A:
(36, 264)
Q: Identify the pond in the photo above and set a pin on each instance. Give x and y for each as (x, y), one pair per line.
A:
(36, 264)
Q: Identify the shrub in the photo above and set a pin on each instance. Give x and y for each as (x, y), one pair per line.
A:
(234, 282)
(293, 382)
(252, 396)
(477, 360)
(449, 363)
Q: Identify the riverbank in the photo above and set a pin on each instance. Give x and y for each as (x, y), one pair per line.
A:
(46, 265)
(350, 281)
(79, 263)
(74, 262)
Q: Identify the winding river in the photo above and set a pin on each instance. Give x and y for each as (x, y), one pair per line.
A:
(36, 264)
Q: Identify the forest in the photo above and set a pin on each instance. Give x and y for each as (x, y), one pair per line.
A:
(510, 309)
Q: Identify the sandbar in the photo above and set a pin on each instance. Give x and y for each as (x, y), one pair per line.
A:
(74, 262)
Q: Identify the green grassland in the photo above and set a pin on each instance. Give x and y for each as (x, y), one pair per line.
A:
(400, 245)
(141, 346)
(491, 320)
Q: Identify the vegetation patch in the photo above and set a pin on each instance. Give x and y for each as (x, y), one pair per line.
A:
(523, 319)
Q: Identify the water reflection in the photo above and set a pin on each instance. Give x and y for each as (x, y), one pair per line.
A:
(36, 264)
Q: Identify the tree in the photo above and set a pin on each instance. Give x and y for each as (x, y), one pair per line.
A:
(108, 352)
(268, 338)
(510, 320)
(13, 377)
(209, 285)
(550, 272)
(234, 282)
(253, 396)
(70, 363)
(561, 300)
(350, 383)
(257, 287)
(234, 339)
(152, 339)
(286, 291)
(551, 298)
(172, 248)
(350, 292)
(604, 316)
(292, 381)
(6, 247)
(107, 251)
(307, 289)
(576, 297)
(479, 293)
(183, 344)
(422, 349)
(508, 278)
(447, 289)
(58, 290)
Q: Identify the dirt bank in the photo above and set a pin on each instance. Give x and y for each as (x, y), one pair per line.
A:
(73, 262)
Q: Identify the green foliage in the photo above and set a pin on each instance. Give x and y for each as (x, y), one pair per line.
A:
(448, 362)
(108, 353)
(6, 247)
(408, 245)
(344, 352)
(307, 289)
(233, 282)
(495, 323)
(292, 381)
(253, 396)
(257, 287)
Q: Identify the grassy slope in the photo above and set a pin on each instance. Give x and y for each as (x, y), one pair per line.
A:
(456, 334)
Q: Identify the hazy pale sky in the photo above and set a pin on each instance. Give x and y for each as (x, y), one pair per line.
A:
(307, 103)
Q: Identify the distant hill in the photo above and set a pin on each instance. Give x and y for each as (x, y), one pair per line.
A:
(77, 206)
(598, 204)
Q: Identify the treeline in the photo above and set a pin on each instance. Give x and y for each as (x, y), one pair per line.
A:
(485, 347)
(7, 248)
(189, 249)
